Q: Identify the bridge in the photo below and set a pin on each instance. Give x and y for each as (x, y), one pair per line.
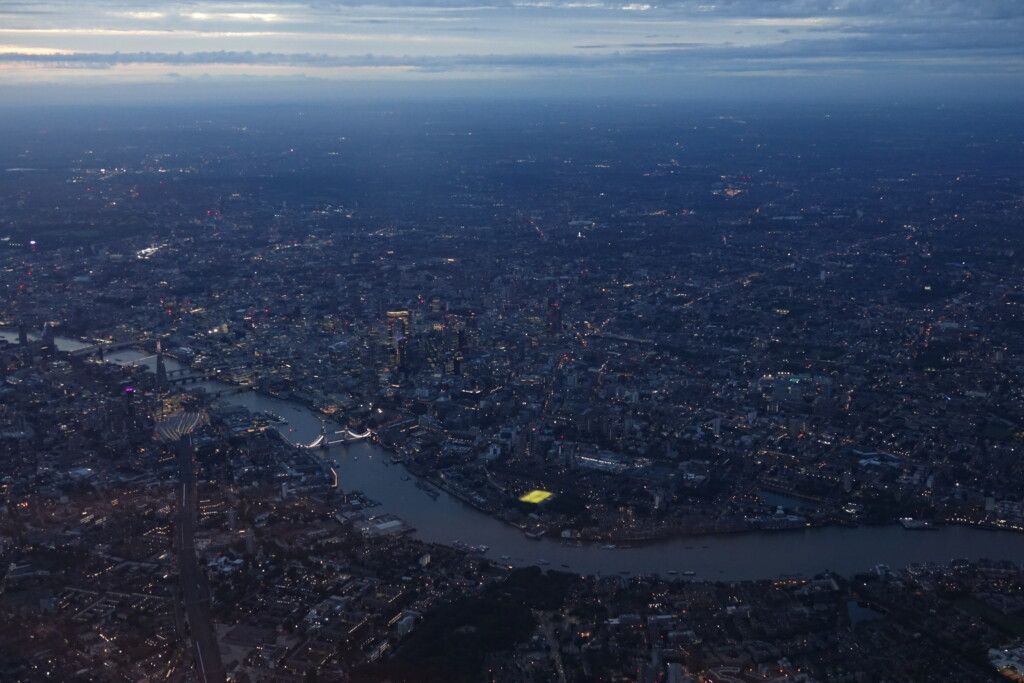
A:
(189, 376)
(346, 436)
(97, 349)
(182, 376)
(229, 391)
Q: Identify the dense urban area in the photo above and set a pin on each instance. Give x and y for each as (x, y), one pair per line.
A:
(610, 326)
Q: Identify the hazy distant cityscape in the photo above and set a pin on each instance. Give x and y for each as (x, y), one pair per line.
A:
(257, 363)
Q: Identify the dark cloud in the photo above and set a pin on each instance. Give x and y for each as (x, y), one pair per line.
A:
(644, 46)
(180, 58)
(816, 55)
(920, 38)
(949, 9)
(992, 9)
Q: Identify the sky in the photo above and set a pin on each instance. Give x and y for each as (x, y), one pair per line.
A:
(936, 50)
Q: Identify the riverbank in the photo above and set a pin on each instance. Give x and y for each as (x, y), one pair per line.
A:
(654, 536)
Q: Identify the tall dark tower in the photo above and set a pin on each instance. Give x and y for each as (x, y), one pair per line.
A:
(398, 330)
(554, 318)
(161, 370)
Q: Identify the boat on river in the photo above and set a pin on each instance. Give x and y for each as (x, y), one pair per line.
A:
(918, 524)
(469, 548)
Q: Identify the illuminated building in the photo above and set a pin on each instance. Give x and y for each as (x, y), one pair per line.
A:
(398, 330)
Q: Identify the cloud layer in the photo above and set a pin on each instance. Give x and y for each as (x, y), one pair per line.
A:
(922, 41)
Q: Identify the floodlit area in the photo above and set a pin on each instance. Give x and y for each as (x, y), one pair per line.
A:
(536, 496)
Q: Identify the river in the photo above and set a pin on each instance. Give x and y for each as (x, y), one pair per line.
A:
(366, 467)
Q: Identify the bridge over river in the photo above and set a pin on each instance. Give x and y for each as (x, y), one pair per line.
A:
(344, 436)
(100, 348)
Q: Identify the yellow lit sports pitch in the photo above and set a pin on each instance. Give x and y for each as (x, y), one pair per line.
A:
(535, 496)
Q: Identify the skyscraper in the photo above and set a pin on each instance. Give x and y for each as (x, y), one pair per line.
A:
(398, 332)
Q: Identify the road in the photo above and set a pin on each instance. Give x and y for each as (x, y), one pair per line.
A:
(553, 647)
(194, 587)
